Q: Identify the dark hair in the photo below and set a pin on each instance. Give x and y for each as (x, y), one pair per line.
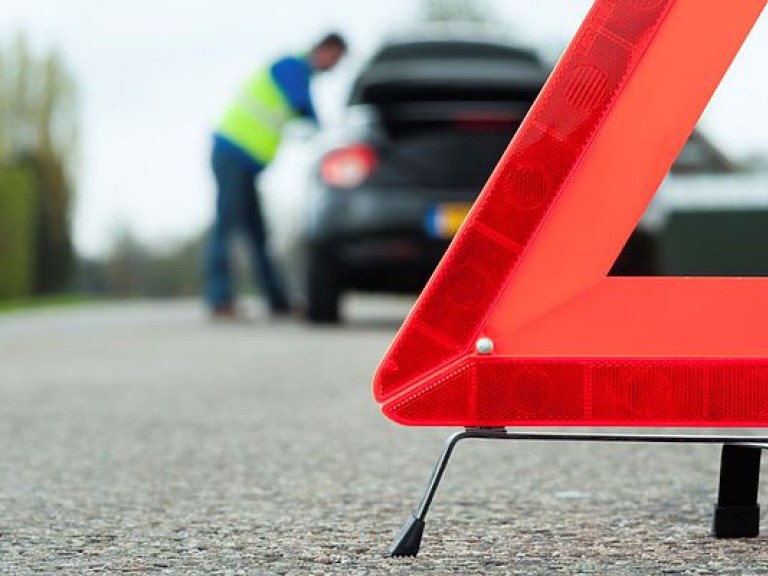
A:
(332, 40)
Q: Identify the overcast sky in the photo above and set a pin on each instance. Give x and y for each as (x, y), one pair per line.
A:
(155, 74)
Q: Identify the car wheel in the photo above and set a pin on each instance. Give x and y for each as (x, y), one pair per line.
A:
(323, 288)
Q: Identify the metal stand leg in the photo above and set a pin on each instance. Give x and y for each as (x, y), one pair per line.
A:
(737, 514)
(408, 540)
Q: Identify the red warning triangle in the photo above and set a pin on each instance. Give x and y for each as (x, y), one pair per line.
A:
(520, 324)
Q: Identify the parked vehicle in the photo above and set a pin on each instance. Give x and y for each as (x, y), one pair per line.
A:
(700, 163)
(372, 205)
(711, 216)
(382, 196)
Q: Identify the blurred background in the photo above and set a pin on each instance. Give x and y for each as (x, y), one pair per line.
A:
(137, 437)
(106, 111)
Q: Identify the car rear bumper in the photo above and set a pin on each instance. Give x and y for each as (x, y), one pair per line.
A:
(379, 213)
(381, 240)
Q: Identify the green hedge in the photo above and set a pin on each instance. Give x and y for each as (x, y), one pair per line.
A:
(18, 231)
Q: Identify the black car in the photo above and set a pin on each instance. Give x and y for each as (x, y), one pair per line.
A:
(384, 194)
(373, 205)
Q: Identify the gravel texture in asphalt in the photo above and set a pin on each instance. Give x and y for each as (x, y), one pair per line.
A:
(144, 439)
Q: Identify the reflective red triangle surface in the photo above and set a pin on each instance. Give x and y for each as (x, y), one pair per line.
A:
(526, 277)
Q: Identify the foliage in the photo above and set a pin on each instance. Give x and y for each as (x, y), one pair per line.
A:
(457, 11)
(61, 301)
(54, 251)
(134, 270)
(38, 105)
(38, 132)
(17, 233)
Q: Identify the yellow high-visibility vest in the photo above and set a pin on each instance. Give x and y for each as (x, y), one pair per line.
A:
(255, 121)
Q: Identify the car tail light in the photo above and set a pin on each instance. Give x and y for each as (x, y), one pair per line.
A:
(348, 167)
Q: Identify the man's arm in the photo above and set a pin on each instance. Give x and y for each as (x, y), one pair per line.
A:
(293, 77)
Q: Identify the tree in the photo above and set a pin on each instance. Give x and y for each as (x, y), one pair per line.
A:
(38, 104)
(132, 269)
(457, 11)
(17, 233)
(38, 131)
(54, 254)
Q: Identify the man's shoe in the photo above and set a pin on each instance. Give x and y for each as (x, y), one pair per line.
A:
(225, 312)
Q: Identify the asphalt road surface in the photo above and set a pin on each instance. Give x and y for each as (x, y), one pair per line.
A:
(143, 439)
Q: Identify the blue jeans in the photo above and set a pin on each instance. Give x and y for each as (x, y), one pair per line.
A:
(238, 207)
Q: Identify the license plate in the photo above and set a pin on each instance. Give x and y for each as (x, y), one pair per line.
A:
(444, 220)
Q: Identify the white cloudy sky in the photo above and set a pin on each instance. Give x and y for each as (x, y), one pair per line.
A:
(155, 74)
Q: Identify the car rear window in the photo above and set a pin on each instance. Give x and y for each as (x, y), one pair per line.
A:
(443, 71)
(441, 50)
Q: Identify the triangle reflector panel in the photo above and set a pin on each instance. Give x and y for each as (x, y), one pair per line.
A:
(520, 324)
